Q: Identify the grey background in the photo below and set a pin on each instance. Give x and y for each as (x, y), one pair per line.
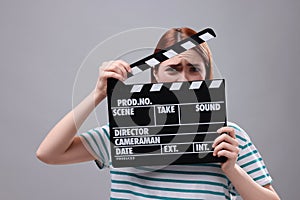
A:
(43, 43)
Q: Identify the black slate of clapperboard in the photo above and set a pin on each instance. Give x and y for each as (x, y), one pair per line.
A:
(191, 122)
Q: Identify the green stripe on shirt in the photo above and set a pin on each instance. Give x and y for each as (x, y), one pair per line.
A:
(103, 143)
(152, 196)
(96, 143)
(251, 162)
(247, 154)
(169, 180)
(169, 189)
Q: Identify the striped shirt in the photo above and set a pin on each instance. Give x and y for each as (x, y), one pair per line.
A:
(193, 181)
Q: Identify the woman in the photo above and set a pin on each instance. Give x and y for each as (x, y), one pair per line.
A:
(243, 173)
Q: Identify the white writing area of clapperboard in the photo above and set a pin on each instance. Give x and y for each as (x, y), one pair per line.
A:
(165, 123)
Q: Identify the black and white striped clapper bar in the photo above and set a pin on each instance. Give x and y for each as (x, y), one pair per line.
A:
(165, 123)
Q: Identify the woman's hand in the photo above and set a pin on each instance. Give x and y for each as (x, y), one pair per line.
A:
(113, 69)
(226, 145)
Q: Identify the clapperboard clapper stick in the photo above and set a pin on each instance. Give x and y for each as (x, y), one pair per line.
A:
(165, 123)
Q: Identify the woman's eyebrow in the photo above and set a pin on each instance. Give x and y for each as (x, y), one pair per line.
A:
(179, 64)
(193, 65)
(171, 65)
(175, 65)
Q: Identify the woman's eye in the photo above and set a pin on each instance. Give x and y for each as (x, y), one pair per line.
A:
(170, 69)
(195, 69)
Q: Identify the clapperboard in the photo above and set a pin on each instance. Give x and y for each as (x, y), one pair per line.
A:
(165, 123)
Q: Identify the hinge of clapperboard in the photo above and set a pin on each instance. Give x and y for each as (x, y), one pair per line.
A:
(165, 54)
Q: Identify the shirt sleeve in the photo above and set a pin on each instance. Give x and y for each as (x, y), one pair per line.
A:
(97, 142)
(249, 158)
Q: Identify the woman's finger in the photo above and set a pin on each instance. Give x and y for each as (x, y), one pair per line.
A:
(227, 154)
(110, 74)
(225, 138)
(119, 67)
(125, 65)
(229, 130)
(225, 146)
